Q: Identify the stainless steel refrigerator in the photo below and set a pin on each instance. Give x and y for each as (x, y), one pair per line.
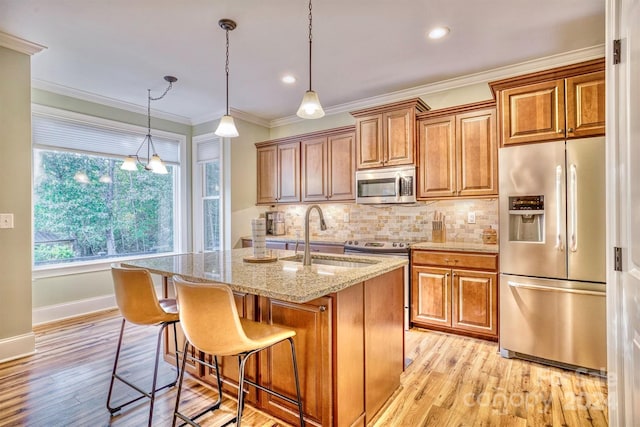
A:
(552, 252)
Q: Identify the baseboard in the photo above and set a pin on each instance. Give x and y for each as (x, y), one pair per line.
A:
(17, 347)
(52, 313)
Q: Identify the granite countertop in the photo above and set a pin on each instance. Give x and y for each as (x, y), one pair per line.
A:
(325, 240)
(282, 279)
(456, 246)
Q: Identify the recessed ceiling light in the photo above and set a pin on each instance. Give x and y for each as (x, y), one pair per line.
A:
(288, 79)
(438, 32)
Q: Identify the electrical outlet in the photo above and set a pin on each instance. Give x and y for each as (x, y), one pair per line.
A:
(471, 217)
(345, 218)
(6, 220)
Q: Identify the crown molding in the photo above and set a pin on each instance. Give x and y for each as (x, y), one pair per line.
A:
(237, 114)
(103, 100)
(20, 45)
(539, 64)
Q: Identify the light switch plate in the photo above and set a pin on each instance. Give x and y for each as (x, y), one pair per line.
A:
(471, 217)
(6, 220)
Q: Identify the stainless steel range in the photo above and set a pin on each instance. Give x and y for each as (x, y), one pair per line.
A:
(394, 248)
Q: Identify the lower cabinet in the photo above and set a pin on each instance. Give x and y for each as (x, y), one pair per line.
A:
(455, 292)
(349, 348)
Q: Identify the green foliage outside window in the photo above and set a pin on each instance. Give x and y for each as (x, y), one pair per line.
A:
(116, 213)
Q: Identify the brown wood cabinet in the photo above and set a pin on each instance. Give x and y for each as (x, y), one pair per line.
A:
(318, 166)
(557, 104)
(458, 152)
(328, 168)
(455, 292)
(278, 173)
(385, 135)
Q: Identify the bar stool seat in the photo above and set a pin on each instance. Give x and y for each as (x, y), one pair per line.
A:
(210, 321)
(136, 298)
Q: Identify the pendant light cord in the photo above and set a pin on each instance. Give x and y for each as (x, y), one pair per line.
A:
(310, 42)
(226, 69)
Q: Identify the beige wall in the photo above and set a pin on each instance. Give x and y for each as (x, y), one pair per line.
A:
(15, 198)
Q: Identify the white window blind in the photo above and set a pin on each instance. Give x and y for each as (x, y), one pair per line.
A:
(55, 132)
(208, 150)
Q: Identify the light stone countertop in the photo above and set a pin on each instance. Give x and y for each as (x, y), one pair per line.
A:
(282, 279)
(456, 246)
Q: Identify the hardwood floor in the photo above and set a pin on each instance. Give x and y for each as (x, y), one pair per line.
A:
(453, 381)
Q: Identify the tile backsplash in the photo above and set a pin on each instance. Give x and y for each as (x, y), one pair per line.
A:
(349, 221)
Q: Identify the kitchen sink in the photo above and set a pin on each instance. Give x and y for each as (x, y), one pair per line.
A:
(323, 260)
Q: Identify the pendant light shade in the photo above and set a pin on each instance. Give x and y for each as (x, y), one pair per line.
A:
(227, 127)
(310, 107)
(154, 163)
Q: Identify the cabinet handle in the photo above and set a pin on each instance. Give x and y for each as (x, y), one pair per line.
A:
(570, 130)
(446, 275)
(560, 130)
(322, 308)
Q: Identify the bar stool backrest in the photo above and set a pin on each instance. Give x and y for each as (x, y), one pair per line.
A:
(210, 319)
(136, 296)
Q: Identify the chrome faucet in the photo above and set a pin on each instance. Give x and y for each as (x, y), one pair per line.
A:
(306, 259)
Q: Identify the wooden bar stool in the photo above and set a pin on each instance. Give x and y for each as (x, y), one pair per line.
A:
(210, 321)
(136, 298)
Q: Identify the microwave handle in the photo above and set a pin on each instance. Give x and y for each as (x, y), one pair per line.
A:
(398, 186)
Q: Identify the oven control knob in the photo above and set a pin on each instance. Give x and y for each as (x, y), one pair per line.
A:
(349, 242)
(395, 244)
(355, 242)
(402, 245)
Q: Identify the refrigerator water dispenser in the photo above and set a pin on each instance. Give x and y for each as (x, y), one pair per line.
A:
(526, 219)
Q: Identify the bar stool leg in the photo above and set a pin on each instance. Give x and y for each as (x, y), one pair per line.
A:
(295, 374)
(113, 372)
(181, 378)
(243, 361)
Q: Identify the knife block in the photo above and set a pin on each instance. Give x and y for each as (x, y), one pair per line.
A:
(438, 232)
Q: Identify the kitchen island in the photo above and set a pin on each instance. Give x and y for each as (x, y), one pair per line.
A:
(347, 312)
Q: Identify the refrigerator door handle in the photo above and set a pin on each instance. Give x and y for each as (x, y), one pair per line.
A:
(559, 245)
(573, 206)
(553, 289)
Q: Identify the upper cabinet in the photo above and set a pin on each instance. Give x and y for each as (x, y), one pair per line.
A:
(328, 167)
(318, 166)
(457, 152)
(385, 135)
(278, 173)
(557, 104)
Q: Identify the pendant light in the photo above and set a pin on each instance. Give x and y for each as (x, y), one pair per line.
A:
(310, 107)
(154, 163)
(227, 127)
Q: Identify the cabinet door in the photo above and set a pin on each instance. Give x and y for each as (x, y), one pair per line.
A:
(311, 321)
(533, 113)
(475, 302)
(437, 157)
(267, 174)
(288, 172)
(314, 169)
(399, 137)
(369, 141)
(477, 153)
(431, 296)
(585, 105)
(342, 167)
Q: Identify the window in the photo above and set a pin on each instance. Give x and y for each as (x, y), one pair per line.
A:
(87, 209)
(207, 192)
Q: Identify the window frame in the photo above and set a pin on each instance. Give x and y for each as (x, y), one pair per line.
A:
(180, 194)
(198, 190)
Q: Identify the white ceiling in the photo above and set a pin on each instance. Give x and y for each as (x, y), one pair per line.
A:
(117, 49)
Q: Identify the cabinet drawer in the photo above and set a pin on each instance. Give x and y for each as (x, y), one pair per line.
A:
(455, 260)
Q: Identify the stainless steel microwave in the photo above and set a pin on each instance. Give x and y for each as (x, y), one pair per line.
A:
(387, 185)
